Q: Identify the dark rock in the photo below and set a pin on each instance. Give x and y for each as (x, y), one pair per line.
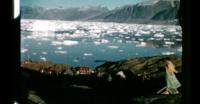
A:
(139, 66)
(144, 75)
(47, 67)
(157, 99)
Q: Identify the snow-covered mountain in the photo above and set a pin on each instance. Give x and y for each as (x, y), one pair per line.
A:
(151, 11)
(61, 13)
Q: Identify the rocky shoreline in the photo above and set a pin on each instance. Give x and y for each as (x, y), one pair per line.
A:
(130, 81)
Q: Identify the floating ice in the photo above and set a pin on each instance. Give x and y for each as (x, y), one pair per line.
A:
(104, 41)
(160, 35)
(151, 38)
(180, 49)
(44, 53)
(43, 58)
(172, 29)
(55, 43)
(120, 41)
(88, 54)
(75, 60)
(23, 50)
(31, 37)
(97, 43)
(101, 41)
(44, 39)
(169, 43)
(39, 43)
(113, 47)
(168, 53)
(165, 45)
(144, 32)
(137, 34)
(141, 39)
(59, 48)
(128, 41)
(179, 40)
(40, 26)
(34, 53)
(70, 42)
(121, 50)
(166, 39)
(142, 44)
(60, 52)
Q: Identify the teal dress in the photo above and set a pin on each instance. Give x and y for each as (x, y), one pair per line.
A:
(172, 81)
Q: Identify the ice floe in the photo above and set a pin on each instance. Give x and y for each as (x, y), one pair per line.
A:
(179, 40)
(159, 35)
(43, 58)
(88, 54)
(113, 47)
(59, 48)
(34, 53)
(23, 50)
(121, 50)
(39, 43)
(60, 52)
(168, 53)
(44, 53)
(70, 42)
(75, 60)
(142, 44)
(180, 49)
(55, 43)
(169, 43)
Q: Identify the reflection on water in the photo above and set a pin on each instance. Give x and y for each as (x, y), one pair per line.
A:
(93, 43)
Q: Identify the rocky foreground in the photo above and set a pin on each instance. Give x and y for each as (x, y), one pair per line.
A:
(131, 81)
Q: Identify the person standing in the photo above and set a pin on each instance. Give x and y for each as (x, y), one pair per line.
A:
(171, 80)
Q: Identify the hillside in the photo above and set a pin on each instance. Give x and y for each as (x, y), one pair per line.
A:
(151, 11)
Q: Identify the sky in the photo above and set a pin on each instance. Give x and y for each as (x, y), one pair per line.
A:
(111, 4)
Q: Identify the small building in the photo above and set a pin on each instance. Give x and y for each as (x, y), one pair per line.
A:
(84, 70)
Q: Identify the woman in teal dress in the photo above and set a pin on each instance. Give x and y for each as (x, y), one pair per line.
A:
(171, 80)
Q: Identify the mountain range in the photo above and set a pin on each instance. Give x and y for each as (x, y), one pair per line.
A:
(151, 11)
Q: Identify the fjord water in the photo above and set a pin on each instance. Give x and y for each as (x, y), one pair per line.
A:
(92, 43)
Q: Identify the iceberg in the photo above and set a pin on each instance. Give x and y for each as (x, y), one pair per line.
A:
(121, 50)
(142, 44)
(55, 43)
(44, 53)
(34, 53)
(75, 60)
(180, 49)
(97, 43)
(168, 53)
(23, 50)
(113, 47)
(88, 54)
(159, 35)
(70, 42)
(60, 52)
(169, 43)
(59, 48)
(43, 58)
